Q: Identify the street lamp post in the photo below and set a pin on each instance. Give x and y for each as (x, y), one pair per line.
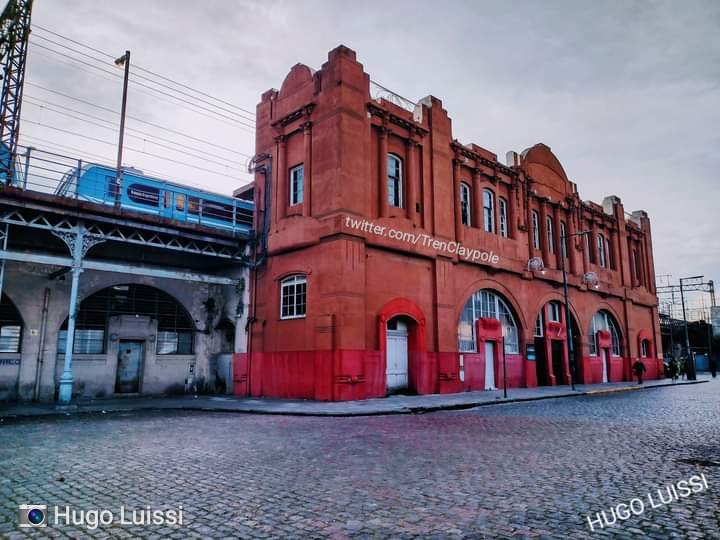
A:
(688, 355)
(123, 61)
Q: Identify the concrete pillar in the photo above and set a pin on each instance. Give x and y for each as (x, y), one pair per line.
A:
(307, 169)
(411, 180)
(383, 172)
(477, 216)
(282, 179)
(543, 235)
(456, 198)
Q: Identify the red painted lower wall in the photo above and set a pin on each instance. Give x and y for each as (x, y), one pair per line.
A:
(350, 374)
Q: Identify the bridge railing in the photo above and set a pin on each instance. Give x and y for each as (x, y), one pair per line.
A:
(55, 174)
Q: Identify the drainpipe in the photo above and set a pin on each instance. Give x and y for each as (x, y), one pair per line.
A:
(41, 346)
(258, 261)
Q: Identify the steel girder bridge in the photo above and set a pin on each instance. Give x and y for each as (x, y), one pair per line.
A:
(75, 236)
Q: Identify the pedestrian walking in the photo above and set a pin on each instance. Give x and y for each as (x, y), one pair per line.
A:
(672, 369)
(639, 368)
(713, 366)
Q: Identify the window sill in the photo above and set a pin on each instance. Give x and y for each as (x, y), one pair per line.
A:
(293, 318)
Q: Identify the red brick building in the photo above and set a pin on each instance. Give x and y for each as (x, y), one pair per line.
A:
(398, 257)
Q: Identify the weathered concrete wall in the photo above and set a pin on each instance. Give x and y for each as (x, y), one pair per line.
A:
(94, 375)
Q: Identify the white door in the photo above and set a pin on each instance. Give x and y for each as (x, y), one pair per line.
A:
(604, 365)
(397, 358)
(489, 365)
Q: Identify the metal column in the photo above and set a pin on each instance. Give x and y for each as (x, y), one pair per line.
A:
(66, 379)
(4, 230)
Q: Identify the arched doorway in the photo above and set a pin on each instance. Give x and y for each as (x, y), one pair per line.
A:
(488, 329)
(604, 346)
(402, 340)
(553, 365)
(396, 369)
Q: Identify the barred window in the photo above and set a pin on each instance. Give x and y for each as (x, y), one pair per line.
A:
(293, 297)
(10, 327)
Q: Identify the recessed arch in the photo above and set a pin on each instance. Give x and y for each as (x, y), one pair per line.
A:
(176, 328)
(487, 303)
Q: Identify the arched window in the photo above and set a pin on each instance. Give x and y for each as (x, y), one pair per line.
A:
(554, 314)
(465, 204)
(489, 210)
(293, 297)
(536, 229)
(645, 348)
(10, 327)
(563, 240)
(603, 320)
(550, 236)
(395, 181)
(502, 210)
(176, 330)
(486, 304)
(601, 249)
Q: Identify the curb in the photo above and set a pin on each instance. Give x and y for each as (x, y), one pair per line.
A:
(66, 411)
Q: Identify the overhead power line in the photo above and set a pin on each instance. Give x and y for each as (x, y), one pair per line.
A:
(108, 55)
(189, 105)
(40, 144)
(52, 107)
(107, 109)
(88, 137)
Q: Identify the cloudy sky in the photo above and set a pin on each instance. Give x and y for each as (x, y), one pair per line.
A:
(625, 93)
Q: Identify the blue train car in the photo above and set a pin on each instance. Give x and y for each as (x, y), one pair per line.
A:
(97, 183)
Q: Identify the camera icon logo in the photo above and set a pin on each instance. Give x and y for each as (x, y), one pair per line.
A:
(32, 516)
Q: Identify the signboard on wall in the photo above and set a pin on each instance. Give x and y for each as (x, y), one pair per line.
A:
(531, 353)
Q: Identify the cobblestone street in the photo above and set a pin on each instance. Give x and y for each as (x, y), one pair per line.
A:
(530, 470)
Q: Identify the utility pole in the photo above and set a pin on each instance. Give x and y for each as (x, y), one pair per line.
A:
(122, 61)
(690, 360)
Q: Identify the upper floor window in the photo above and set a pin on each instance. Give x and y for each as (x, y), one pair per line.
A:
(297, 178)
(465, 204)
(502, 211)
(588, 245)
(293, 297)
(563, 240)
(550, 236)
(536, 229)
(395, 181)
(489, 210)
(644, 348)
(601, 250)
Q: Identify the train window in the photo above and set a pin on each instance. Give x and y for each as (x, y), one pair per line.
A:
(112, 188)
(147, 195)
(167, 199)
(193, 205)
(179, 202)
(215, 210)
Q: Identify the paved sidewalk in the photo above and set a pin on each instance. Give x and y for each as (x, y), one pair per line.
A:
(399, 404)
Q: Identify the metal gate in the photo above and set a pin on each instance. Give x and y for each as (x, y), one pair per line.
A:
(397, 358)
